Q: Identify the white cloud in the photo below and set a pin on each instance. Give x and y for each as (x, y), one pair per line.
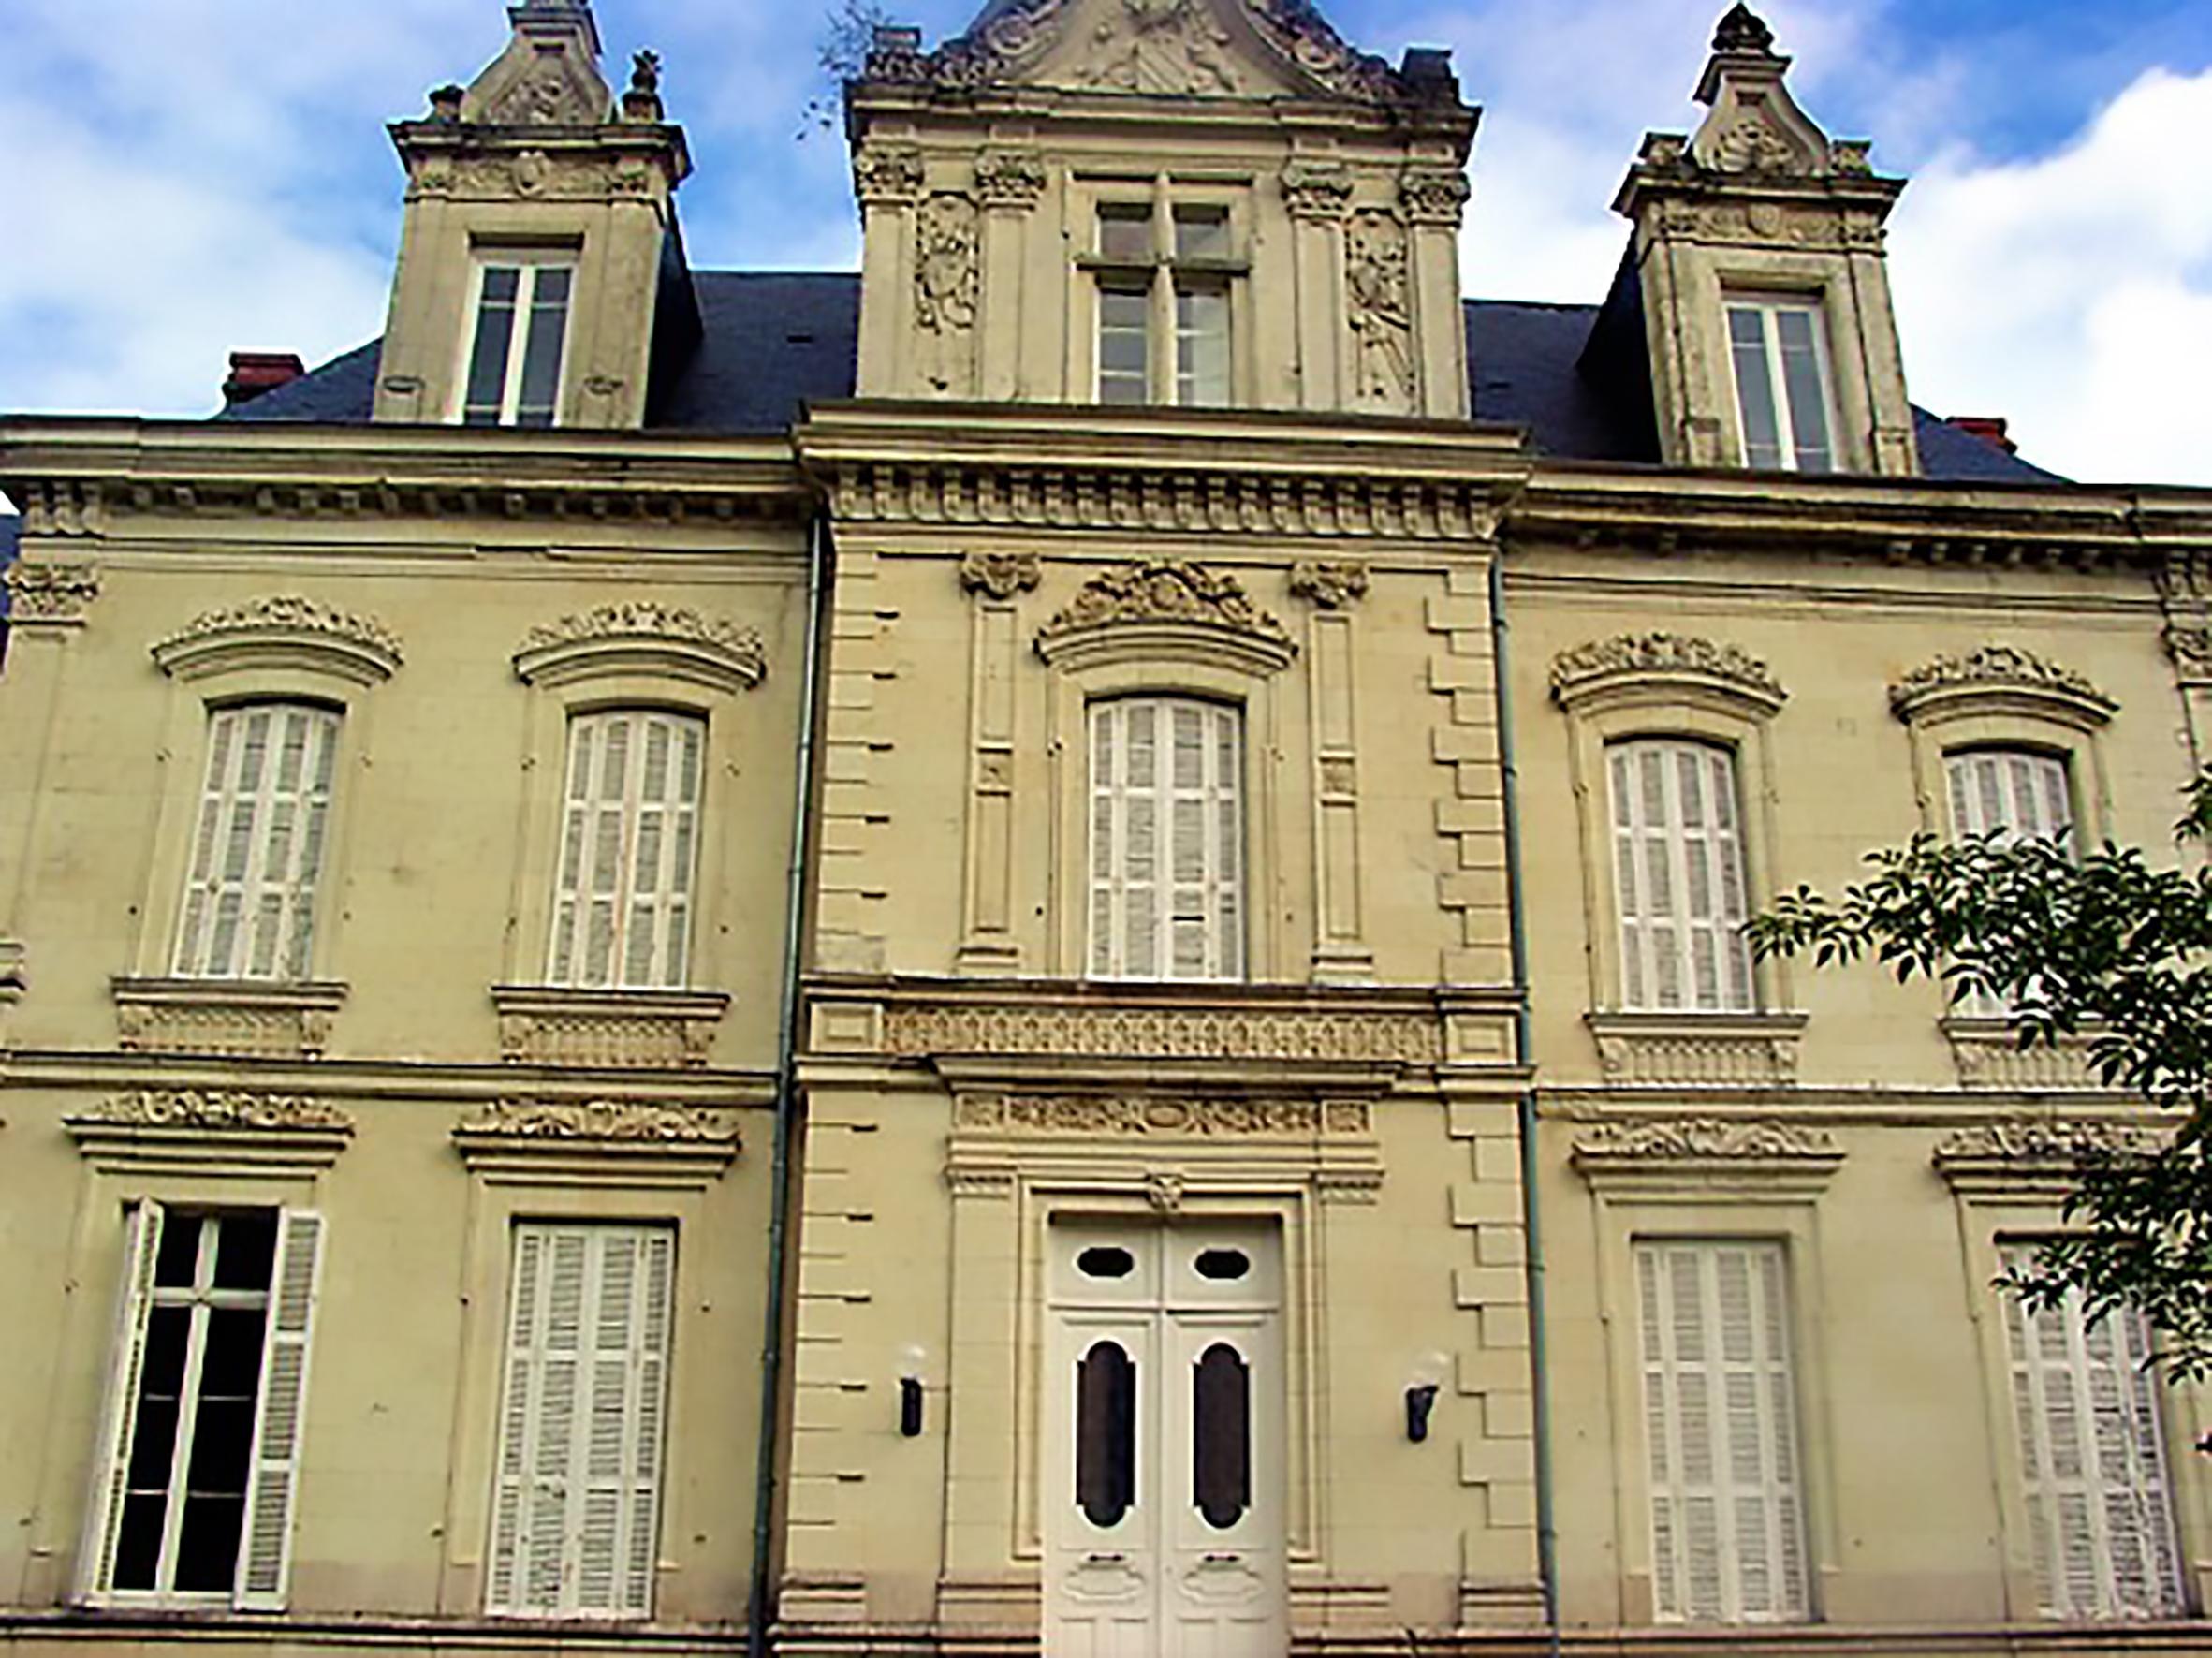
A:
(2072, 293)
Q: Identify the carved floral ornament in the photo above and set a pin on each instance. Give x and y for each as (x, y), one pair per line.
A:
(217, 1110)
(1001, 575)
(1666, 662)
(634, 1121)
(55, 592)
(1330, 584)
(1010, 178)
(2000, 677)
(1116, 1117)
(644, 636)
(1166, 609)
(283, 631)
(887, 174)
(2032, 1139)
(1700, 1139)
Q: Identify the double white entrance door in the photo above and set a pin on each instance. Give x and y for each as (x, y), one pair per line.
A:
(1163, 1484)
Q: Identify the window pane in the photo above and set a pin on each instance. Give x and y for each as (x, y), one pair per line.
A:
(1801, 378)
(1124, 345)
(207, 1543)
(1754, 385)
(488, 359)
(1202, 348)
(1220, 1436)
(1105, 1434)
(1125, 231)
(541, 361)
(244, 1250)
(1201, 232)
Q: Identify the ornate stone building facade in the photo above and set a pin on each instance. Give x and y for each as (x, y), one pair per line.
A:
(1041, 951)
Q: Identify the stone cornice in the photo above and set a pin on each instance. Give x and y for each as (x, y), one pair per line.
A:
(282, 631)
(2000, 677)
(1666, 661)
(644, 636)
(1163, 608)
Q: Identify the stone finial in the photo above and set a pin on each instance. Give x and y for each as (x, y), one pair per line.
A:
(642, 101)
(1743, 30)
(445, 102)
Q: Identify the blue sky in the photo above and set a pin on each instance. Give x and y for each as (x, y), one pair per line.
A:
(191, 176)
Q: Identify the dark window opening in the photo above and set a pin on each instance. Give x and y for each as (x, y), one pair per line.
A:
(1220, 1437)
(1105, 1434)
(1223, 1264)
(1105, 1261)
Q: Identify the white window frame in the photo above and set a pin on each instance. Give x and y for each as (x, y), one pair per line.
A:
(669, 828)
(286, 827)
(1168, 274)
(1759, 1377)
(1769, 307)
(1117, 831)
(530, 263)
(1713, 853)
(548, 1473)
(262, 1576)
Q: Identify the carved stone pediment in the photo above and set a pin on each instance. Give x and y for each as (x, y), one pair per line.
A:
(282, 631)
(547, 76)
(1162, 47)
(1166, 609)
(1678, 662)
(211, 1131)
(646, 636)
(2001, 678)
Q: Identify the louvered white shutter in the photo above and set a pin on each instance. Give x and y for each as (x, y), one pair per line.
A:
(629, 850)
(1720, 1417)
(576, 1513)
(265, 1554)
(257, 844)
(2013, 793)
(2092, 1455)
(95, 1556)
(1678, 876)
(1166, 839)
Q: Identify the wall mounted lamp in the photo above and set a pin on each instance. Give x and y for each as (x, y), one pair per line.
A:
(1420, 1400)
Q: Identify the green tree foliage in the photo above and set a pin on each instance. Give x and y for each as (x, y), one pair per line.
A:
(2103, 950)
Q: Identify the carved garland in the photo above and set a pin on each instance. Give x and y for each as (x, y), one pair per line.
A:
(2000, 677)
(644, 636)
(1120, 1116)
(1165, 610)
(601, 1120)
(283, 631)
(1675, 661)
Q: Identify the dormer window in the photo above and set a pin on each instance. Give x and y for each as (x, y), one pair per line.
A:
(519, 337)
(1163, 269)
(1784, 395)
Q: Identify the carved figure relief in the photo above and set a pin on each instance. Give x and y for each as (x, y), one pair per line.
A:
(1751, 145)
(1160, 46)
(1378, 283)
(946, 284)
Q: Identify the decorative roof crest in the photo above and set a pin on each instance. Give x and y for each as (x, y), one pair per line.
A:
(1743, 30)
(1628, 658)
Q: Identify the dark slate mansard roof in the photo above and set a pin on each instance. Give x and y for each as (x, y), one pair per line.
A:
(1575, 375)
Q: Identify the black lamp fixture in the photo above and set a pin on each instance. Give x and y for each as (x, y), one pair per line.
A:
(1420, 1400)
(910, 1406)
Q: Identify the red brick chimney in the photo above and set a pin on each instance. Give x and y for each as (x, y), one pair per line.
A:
(1988, 428)
(252, 373)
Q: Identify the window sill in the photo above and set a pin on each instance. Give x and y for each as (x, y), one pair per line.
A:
(604, 1029)
(1697, 1049)
(225, 1017)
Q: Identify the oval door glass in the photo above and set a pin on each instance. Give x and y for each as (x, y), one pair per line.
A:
(1220, 1438)
(1105, 1434)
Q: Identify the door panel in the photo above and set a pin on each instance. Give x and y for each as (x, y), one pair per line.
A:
(1163, 1478)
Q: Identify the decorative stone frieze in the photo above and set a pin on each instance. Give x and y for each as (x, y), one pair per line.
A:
(1434, 196)
(886, 175)
(1001, 575)
(282, 631)
(1649, 1156)
(1317, 190)
(1998, 678)
(51, 592)
(1722, 1050)
(211, 1132)
(947, 285)
(1675, 661)
(1010, 178)
(644, 636)
(1171, 606)
(1147, 1115)
(225, 1018)
(601, 1142)
(1331, 584)
(918, 1030)
(607, 1029)
(2030, 1158)
(1378, 286)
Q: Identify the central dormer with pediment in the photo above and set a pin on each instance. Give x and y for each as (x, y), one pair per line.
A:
(1179, 203)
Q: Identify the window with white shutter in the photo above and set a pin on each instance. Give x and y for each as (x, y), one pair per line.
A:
(1679, 877)
(1720, 1427)
(257, 844)
(629, 850)
(575, 1508)
(2093, 1457)
(194, 1496)
(2011, 793)
(1167, 839)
